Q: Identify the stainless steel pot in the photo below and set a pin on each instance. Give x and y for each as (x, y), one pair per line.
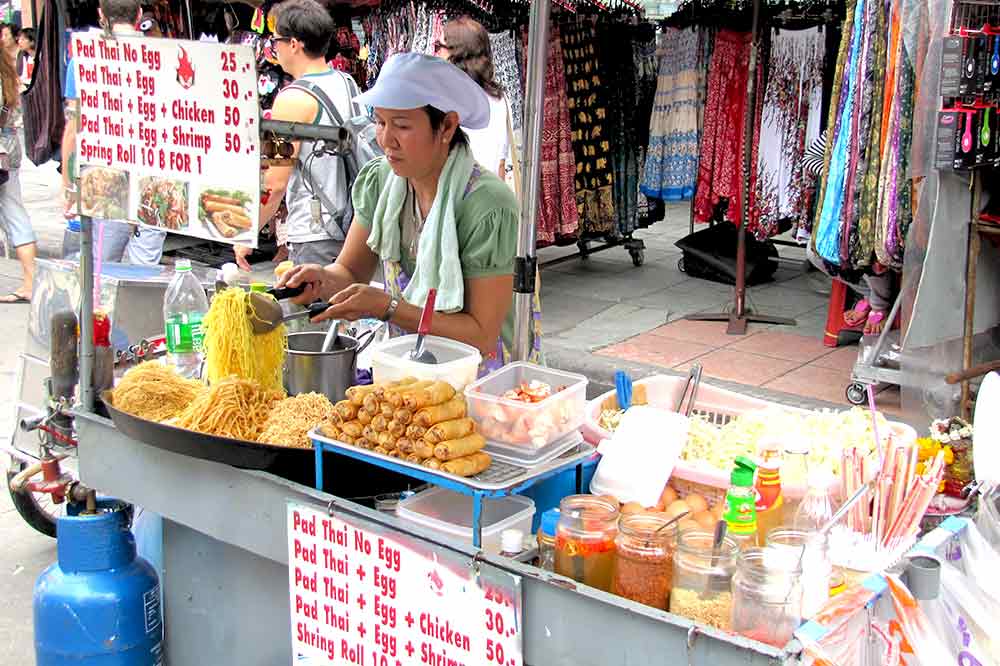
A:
(308, 369)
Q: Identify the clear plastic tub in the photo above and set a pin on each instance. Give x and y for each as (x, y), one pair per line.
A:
(450, 513)
(457, 363)
(531, 425)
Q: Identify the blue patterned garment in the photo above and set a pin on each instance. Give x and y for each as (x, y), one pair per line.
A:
(672, 159)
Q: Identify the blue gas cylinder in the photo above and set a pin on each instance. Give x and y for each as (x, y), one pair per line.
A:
(99, 605)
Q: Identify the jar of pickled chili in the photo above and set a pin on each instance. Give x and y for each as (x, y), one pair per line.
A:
(585, 540)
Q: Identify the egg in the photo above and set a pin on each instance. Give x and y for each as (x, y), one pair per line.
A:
(705, 519)
(632, 507)
(688, 524)
(696, 502)
(667, 497)
(677, 507)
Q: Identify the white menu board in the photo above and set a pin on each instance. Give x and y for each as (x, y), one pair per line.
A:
(369, 599)
(168, 135)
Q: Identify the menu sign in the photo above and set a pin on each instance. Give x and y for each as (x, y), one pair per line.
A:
(365, 598)
(168, 135)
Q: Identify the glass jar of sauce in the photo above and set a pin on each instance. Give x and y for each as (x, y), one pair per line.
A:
(585, 540)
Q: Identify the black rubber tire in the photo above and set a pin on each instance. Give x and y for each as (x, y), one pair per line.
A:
(28, 508)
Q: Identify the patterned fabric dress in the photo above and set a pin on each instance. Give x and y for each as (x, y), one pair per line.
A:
(591, 139)
(790, 122)
(720, 169)
(672, 159)
(558, 219)
(509, 75)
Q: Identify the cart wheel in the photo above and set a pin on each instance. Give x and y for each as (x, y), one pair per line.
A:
(856, 393)
(680, 265)
(638, 257)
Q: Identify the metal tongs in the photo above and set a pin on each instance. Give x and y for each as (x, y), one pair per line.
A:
(693, 381)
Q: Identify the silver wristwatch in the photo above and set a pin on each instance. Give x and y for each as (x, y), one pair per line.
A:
(391, 310)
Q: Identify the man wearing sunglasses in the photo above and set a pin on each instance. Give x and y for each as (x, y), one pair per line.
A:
(315, 189)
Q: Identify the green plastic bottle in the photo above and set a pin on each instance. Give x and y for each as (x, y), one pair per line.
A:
(741, 504)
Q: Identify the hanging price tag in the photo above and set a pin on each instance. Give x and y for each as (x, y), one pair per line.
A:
(368, 598)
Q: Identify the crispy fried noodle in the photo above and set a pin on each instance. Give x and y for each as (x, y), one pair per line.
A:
(232, 407)
(231, 348)
(155, 392)
(292, 419)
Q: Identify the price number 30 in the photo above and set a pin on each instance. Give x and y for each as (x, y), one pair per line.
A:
(500, 627)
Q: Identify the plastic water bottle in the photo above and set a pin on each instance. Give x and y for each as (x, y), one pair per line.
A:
(184, 307)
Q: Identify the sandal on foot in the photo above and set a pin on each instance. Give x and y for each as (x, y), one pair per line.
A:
(857, 315)
(14, 298)
(875, 322)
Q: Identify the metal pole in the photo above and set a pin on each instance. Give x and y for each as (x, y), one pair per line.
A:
(526, 263)
(86, 313)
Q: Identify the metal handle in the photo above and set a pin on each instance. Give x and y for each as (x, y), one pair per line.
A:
(425, 317)
(281, 293)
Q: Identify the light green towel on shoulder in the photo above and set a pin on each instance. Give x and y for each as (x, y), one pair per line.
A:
(438, 264)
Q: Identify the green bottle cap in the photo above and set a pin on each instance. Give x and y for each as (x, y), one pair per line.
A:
(742, 476)
(258, 287)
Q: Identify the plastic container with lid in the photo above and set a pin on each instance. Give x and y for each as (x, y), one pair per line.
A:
(530, 424)
(767, 597)
(450, 513)
(547, 540)
(644, 559)
(457, 363)
(585, 540)
(703, 578)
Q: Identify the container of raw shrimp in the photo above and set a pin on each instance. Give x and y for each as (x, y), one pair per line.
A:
(527, 405)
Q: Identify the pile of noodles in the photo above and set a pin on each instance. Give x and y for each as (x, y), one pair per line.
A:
(232, 349)
(291, 420)
(232, 407)
(155, 392)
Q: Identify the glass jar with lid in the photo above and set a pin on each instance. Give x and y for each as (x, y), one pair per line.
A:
(703, 577)
(644, 559)
(767, 596)
(585, 540)
(810, 552)
(547, 540)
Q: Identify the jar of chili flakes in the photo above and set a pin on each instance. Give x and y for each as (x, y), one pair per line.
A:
(585, 540)
(644, 560)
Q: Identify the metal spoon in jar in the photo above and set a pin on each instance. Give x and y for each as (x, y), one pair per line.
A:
(667, 524)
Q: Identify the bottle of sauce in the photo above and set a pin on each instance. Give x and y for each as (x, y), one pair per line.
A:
(741, 504)
(770, 503)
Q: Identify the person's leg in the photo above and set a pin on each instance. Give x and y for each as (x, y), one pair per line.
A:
(880, 287)
(146, 249)
(14, 217)
(110, 237)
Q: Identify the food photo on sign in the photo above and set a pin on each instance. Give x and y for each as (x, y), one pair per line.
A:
(226, 213)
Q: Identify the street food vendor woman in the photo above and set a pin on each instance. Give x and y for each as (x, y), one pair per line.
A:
(431, 216)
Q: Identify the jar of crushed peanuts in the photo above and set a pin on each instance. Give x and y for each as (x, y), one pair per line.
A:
(703, 579)
(585, 540)
(644, 559)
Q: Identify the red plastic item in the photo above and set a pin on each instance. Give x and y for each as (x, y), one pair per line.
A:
(102, 329)
(428, 314)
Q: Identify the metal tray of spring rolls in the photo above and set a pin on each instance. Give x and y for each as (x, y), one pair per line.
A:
(236, 452)
(499, 477)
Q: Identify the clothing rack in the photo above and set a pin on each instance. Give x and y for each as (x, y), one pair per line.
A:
(739, 318)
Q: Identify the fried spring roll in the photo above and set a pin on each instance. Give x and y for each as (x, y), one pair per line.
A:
(395, 397)
(388, 411)
(469, 465)
(446, 430)
(435, 394)
(416, 432)
(405, 444)
(397, 429)
(432, 463)
(380, 423)
(330, 430)
(413, 458)
(347, 439)
(356, 394)
(346, 410)
(459, 448)
(395, 453)
(386, 441)
(364, 416)
(453, 409)
(363, 443)
(379, 449)
(370, 433)
(389, 386)
(403, 415)
(372, 404)
(352, 429)
(423, 448)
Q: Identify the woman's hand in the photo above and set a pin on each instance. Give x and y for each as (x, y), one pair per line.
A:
(358, 301)
(310, 275)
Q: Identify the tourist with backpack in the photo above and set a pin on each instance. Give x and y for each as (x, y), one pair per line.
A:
(316, 190)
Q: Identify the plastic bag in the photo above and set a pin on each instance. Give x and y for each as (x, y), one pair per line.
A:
(980, 560)
(988, 518)
(927, 647)
(965, 617)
